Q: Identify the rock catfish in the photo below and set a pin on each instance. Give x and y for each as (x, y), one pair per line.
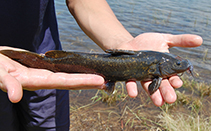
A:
(114, 65)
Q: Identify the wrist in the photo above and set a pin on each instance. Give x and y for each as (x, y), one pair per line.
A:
(119, 42)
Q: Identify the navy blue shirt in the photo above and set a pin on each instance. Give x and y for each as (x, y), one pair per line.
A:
(29, 24)
(32, 25)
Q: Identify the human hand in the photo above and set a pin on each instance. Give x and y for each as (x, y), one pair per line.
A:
(15, 77)
(160, 42)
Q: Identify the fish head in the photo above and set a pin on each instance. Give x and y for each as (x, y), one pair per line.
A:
(174, 65)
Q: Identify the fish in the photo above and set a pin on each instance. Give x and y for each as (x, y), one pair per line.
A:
(113, 65)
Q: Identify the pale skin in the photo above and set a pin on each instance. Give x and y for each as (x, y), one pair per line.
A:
(99, 22)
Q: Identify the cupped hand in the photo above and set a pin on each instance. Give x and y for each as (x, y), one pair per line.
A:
(15, 77)
(160, 42)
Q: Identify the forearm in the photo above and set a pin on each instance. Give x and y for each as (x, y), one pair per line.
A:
(98, 21)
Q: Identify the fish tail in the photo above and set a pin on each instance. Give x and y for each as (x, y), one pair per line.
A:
(29, 59)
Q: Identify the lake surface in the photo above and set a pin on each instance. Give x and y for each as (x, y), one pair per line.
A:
(140, 16)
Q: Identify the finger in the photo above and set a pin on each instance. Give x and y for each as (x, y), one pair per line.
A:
(37, 78)
(86, 88)
(11, 48)
(167, 92)
(11, 85)
(131, 87)
(185, 40)
(156, 97)
(175, 81)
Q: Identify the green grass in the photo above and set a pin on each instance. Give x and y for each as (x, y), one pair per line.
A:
(184, 122)
(96, 110)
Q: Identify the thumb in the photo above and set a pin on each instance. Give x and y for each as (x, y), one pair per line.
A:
(185, 40)
(11, 85)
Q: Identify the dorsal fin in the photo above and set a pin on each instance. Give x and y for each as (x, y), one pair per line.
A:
(121, 52)
(57, 54)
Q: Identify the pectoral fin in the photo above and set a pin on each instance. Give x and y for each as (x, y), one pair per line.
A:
(109, 86)
(154, 85)
(121, 52)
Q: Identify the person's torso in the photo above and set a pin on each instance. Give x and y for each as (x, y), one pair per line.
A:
(29, 24)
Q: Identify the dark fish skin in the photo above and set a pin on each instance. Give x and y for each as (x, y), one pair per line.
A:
(115, 65)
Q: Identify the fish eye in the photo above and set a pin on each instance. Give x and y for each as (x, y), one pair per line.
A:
(178, 63)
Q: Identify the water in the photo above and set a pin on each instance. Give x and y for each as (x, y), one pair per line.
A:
(139, 16)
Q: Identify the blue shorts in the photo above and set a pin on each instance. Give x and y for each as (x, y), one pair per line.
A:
(41, 110)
